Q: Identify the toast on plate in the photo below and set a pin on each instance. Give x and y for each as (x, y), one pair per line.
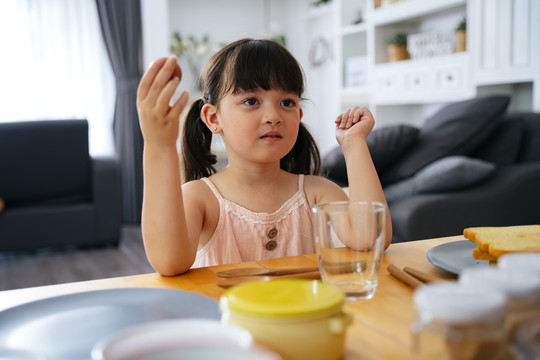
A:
(492, 242)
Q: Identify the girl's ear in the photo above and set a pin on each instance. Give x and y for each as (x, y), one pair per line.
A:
(209, 116)
(301, 114)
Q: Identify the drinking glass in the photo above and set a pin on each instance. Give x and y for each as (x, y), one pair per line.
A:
(349, 242)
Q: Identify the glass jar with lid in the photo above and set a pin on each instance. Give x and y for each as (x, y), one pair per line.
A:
(454, 322)
(529, 262)
(298, 319)
(522, 287)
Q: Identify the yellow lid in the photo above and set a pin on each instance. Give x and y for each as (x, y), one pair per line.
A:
(282, 297)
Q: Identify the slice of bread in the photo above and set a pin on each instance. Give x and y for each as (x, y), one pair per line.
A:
(480, 255)
(492, 242)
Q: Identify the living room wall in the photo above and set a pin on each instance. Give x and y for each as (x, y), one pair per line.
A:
(227, 21)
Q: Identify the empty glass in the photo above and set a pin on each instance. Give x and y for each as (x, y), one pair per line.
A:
(349, 241)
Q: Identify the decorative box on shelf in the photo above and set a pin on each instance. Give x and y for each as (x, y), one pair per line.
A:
(428, 44)
(356, 71)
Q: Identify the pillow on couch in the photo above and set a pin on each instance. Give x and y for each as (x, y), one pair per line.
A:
(457, 129)
(334, 168)
(386, 145)
(503, 145)
(449, 173)
(52, 161)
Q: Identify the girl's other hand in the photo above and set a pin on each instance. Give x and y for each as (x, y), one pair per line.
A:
(354, 122)
(159, 120)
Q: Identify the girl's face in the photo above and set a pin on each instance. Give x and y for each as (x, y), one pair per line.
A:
(261, 125)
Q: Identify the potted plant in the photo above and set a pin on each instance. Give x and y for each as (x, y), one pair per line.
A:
(461, 36)
(320, 2)
(193, 50)
(396, 47)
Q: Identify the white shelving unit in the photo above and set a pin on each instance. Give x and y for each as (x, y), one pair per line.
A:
(320, 65)
(506, 55)
(503, 55)
(418, 86)
(352, 52)
(412, 10)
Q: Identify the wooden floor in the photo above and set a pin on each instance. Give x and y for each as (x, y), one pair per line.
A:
(55, 267)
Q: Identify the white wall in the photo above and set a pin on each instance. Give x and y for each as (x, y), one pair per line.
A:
(156, 33)
(223, 21)
(321, 109)
(227, 21)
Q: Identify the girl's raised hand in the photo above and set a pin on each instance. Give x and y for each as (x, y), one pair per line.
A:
(159, 120)
(354, 122)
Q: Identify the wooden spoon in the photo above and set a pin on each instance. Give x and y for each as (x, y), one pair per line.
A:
(227, 283)
(254, 271)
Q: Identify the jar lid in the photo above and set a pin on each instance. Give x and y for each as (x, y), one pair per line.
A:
(516, 283)
(282, 297)
(523, 261)
(452, 303)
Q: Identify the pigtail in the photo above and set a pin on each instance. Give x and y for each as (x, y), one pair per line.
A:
(304, 157)
(198, 159)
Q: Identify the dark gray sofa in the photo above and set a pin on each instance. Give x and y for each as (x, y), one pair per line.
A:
(54, 193)
(494, 176)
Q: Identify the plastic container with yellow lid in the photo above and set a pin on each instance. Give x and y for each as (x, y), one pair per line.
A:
(299, 319)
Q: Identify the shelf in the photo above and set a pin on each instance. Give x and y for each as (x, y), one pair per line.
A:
(423, 62)
(407, 10)
(355, 96)
(353, 29)
(320, 11)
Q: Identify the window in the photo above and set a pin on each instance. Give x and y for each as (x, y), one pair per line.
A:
(54, 65)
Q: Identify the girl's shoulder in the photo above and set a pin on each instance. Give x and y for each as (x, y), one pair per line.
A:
(195, 186)
(319, 189)
(319, 181)
(196, 191)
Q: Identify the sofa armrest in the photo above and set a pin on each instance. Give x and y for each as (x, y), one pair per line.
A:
(107, 197)
(509, 197)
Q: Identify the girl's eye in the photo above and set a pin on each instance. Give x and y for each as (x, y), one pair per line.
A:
(288, 103)
(250, 101)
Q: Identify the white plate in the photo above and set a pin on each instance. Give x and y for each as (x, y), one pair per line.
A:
(181, 339)
(68, 326)
(455, 256)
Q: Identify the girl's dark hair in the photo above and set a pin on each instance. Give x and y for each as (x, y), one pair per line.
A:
(245, 65)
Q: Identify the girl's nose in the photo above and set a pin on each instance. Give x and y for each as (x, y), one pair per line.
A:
(273, 121)
(272, 117)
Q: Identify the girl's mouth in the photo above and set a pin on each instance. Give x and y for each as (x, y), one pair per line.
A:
(271, 135)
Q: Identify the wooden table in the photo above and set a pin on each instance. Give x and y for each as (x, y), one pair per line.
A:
(381, 326)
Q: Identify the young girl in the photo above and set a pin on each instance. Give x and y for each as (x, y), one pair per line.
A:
(258, 207)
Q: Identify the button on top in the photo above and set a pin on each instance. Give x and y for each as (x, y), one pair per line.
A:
(272, 233)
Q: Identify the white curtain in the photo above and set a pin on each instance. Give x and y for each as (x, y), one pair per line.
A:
(54, 65)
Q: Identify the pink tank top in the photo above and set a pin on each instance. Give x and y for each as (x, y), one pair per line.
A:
(243, 235)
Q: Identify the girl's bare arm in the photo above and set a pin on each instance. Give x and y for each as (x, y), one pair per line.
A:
(352, 129)
(169, 247)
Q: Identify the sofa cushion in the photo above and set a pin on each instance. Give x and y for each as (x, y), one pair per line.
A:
(44, 160)
(457, 129)
(449, 173)
(334, 168)
(530, 142)
(385, 144)
(38, 227)
(503, 145)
